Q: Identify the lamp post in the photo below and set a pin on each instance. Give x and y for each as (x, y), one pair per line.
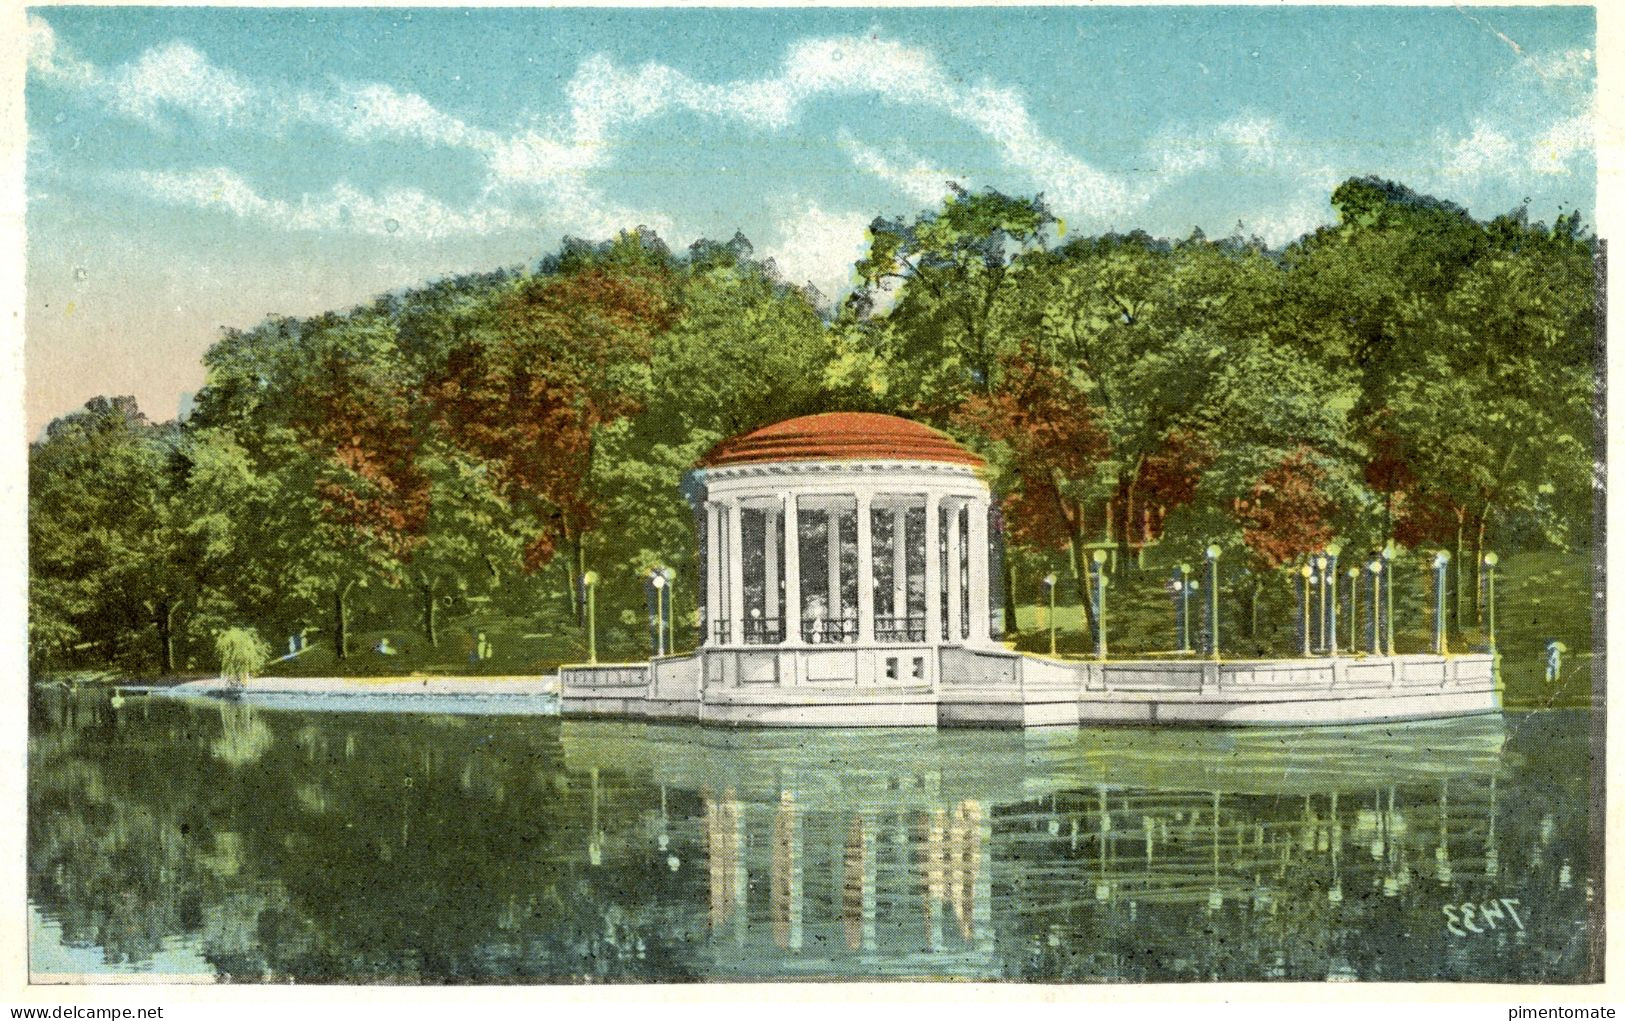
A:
(1177, 587)
(1388, 589)
(1308, 574)
(1213, 552)
(1330, 577)
(1049, 590)
(659, 582)
(1490, 560)
(1376, 606)
(1187, 585)
(1354, 608)
(1100, 603)
(1441, 645)
(671, 593)
(1320, 587)
(589, 581)
(1181, 588)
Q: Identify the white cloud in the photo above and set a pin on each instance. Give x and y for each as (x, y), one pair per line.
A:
(217, 188)
(1288, 219)
(1491, 152)
(604, 97)
(1254, 144)
(550, 163)
(53, 61)
(178, 76)
(1506, 142)
(1571, 68)
(1258, 139)
(1560, 145)
(1248, 138)
(403, 212)
(375, 112)
(552, 160)
(548, 166)
(863, 64)
(922, 183)
(177, 79)
(1179, 151)
(817, 246)
(534, 157)
(578, 207)
(1487, 152)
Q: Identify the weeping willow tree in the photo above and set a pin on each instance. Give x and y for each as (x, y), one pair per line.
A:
(242, 653)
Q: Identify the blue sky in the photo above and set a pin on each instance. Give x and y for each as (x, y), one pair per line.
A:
(190, 168)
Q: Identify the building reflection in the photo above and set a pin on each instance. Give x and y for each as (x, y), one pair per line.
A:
(880, 849)
(724, 847)
(786, 876)
(858, 885)
(433, 847)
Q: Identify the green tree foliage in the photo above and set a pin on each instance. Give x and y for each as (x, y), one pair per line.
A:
(1407, 372)
(554, 361)
(110, 546)
(946, 274)
(324, 410)
(744, 351)
(242, 652)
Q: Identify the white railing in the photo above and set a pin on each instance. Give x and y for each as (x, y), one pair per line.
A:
(584, 679)
(1017, 673)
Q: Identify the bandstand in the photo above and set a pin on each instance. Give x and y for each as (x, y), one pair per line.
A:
(846, 529)
(849, 568)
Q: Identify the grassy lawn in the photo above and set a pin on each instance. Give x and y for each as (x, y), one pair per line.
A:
(1540, 597)
(517, 648)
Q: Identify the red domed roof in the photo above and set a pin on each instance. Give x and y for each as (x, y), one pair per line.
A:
(841, 436)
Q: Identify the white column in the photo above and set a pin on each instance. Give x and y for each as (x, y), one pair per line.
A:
(980, 610)
(955, 566)
(770, 562)
(834, 557)
(713, 572)
(736, 576)
(792, 570)
(866, 570)
(933, 571)
(899, 564)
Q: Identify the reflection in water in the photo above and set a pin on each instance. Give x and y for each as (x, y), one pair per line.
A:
(244, 737)
(935, 826)
(858, 886)
(723, 847)
(786, 883)
(444, 849)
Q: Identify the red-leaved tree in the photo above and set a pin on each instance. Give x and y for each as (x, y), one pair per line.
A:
(1286, 515)
(1050, 443)
(557, 359)
(1168, 478)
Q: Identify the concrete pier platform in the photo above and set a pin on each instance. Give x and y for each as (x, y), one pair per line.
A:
(522, 696)
(906, 686)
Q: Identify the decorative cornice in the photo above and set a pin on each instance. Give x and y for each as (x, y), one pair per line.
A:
(834, 469)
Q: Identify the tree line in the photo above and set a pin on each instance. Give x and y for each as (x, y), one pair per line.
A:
(1407, 373)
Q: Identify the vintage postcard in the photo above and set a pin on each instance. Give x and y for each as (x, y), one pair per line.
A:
(1031, 495)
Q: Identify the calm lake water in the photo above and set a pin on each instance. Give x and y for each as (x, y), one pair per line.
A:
(246, 844)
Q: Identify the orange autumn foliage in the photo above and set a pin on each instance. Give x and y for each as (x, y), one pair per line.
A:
(1285, 515)
(1053, 437)
(529, 397)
